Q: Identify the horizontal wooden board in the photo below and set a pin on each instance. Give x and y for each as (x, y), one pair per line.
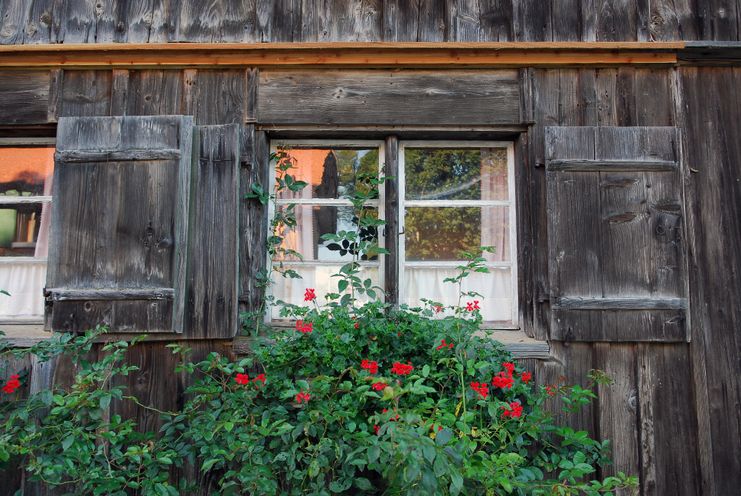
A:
(24, 96)
(587, 165)
(386, 97)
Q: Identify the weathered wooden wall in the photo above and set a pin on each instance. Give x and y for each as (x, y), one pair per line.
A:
(675, 410)
(143, 21)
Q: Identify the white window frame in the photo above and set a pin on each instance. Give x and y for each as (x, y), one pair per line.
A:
(327, 202)
(33, 322)
(510, 202)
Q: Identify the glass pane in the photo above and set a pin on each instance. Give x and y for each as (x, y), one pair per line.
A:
(20, 228)
(456, 174)
(25, 282)
(313, 221)
(317, 277)
(434, 234)
(495, 288)
(26, 171)
(330, 172)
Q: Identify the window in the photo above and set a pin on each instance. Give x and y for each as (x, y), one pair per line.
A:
(453, 197)
(26, 169)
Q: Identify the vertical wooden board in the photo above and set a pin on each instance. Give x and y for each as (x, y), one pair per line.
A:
(350, 20)
(165, 21)
(544, 104)
(86, 93)
(77, 20)
(213, 267)
(286, 21)
(217, 96)
(154, 92)
(212, 22)
(574, 244)
(464, 20)
(533, 21)
(718, 20)
(253, 222)
(618, 20)
(12, 20)
(432, 24)
(496, 20)
(668, 427)
(154, 384)
(654, 97)
(675, 20)
(400, 20)
(119, 91)
(567, 19)
(570, 364)
(38, 26)
(25, 97)
(525, 248)
(606, 96)
(709, 109)
(618, 406)
(625, 101)
(123, 21)
(391, 232)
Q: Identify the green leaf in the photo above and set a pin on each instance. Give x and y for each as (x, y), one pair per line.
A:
(425, 371)
(363, 484)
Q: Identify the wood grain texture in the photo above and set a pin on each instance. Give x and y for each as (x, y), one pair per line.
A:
(211, 308)
(382, 97)
(86, 93)
(709, 107)
(137, 245)
(615, 236)
(391, 229)
(215, 96)
(25, 97)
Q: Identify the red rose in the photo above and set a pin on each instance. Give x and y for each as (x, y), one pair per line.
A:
(242, 379)
(303, 397)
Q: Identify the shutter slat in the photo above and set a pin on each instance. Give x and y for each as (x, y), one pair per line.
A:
(119, 223)
(616, 250)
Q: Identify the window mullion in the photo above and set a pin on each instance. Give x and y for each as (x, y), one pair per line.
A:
(393, 208)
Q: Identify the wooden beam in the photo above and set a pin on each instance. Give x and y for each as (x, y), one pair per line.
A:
(376, 54)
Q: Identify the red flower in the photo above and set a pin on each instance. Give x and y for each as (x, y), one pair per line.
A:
(526, 377)
(509, 367)
(550, 390)
(472, 305)
(376, 428)
(357, 325)
(401, 369)
(309, 295)
(304, 327)
(378, 386)
(443, 344)
(370, 365)
(514, 410)
(260, 377)
(303, 397)
(12, 384)
(242, 379)
(482, 388)
(438, 309)
(502, 380)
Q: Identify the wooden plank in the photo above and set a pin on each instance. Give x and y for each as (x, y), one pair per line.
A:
(525, 248)
(576, 303)
(496, 20)
(347, 54)
(137, 244)
(86, 93)
(673, 20)
(154, 92)
(617, 410)
(86, 156)
(708, 109)
(669, 463)
(391, 229)
(212, 22)
(63, 294)
(533, 21)
(616, 165)
(218, 97)
(25, 97)
(119, 91)
(253, 220)
(381, 97)
(213, 252)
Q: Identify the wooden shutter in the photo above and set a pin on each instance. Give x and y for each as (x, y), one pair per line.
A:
(212, 302)
(616, 246)
(117, 254)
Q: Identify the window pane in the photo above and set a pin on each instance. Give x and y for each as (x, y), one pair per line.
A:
(456, 174)
(495, 288)
(433, 234)
(20, 226)
(330, 172)
(25, 282)
(26, 171)
(317, 277)
(313, 221)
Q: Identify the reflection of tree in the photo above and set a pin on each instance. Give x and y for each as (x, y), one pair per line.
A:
(441, 233)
